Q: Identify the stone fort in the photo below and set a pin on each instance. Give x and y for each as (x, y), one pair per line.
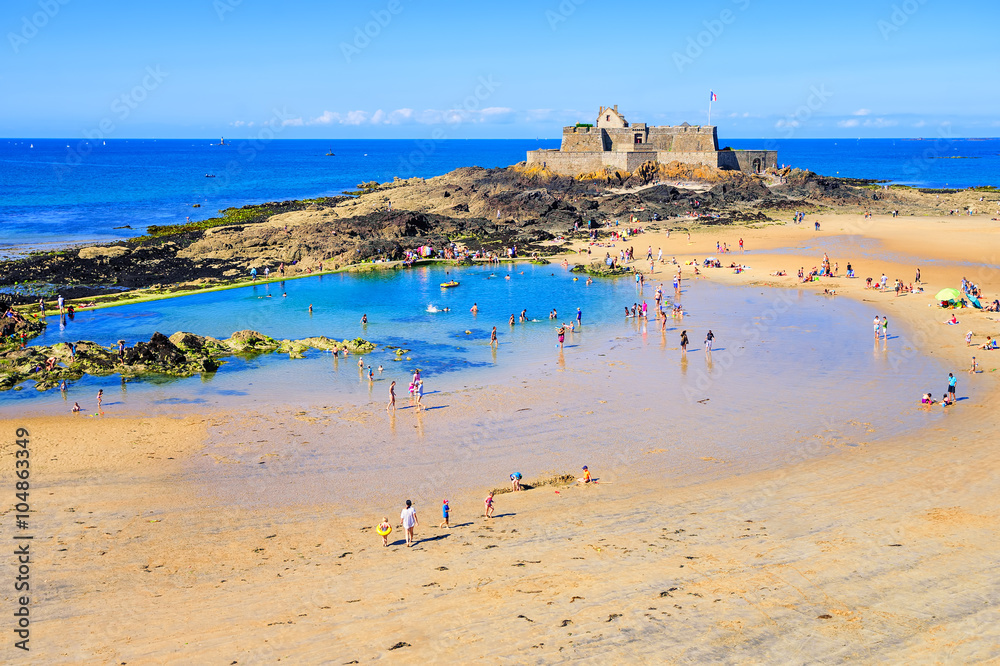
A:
(613, 141)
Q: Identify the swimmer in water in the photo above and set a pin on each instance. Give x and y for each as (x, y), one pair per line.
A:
(364, 318)
(380, 369)
(493, 337)
(474, 309)
(511, 322)
(310, 308)
(524, 315)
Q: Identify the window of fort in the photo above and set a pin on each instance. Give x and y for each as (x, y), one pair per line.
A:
(638, 138)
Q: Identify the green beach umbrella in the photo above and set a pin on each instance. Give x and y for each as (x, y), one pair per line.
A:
(949, 294)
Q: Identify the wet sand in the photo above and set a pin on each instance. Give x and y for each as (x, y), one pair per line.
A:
(868, 551)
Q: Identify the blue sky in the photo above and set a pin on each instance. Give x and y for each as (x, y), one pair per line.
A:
(413, 68)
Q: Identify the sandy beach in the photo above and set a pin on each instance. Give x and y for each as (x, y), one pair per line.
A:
(151, 547)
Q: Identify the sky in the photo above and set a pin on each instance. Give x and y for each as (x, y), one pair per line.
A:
(517, 69)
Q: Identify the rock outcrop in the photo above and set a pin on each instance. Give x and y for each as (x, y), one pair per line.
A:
(180, 355)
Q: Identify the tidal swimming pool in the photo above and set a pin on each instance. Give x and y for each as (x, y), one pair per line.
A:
(775, 349)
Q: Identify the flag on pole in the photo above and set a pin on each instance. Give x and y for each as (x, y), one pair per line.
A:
(714, 97)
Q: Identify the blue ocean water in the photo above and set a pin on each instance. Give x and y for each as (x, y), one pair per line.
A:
(60, 191)
(935, 163)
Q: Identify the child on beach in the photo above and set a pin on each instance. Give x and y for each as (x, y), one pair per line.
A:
(489, 505)
(586, 475)
(76, 407)
(445, 513)
(975, 366)
(392, 398)
(420, 395)
(384, 528)
(100, 398)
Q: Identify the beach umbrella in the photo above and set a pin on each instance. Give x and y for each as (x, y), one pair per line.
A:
(949, 294)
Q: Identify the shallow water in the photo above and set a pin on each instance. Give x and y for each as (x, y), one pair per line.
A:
(793, 347)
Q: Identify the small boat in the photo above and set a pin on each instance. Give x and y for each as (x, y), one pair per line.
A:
(330, 154)
(448, 285)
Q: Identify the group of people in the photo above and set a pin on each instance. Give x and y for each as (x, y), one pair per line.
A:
(409, 521)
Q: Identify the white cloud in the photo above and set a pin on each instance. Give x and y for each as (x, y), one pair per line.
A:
(355, 118)
(292, 122)
(378, 117)
(920, 123)
(787, 122)
(862, 112)
(328, 118)
(880, 122)
(400, 116)
(853, 122)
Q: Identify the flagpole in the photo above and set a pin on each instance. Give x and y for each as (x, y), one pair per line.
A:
(710, 110)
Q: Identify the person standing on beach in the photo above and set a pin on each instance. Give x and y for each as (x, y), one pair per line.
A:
(741, 246)
(493, 337)
(100, 398)
(392, 398)
(885, 328)
(408, 520)
(708, 340)
(489, 505)
(446, 514)
(917, 279)
(877, 323)
(420, 395)
(952, 381)
(975, 367)
(60, 302)
(561, 334)
(579, 317)
(684, 341)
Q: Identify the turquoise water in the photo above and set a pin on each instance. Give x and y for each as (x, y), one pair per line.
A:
(776, 351)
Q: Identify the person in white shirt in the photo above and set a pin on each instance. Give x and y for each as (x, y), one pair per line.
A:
(408, 520)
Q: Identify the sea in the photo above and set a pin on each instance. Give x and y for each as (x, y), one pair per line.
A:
(59, 192)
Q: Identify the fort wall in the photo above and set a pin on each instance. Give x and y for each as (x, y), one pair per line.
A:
(616, 143)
